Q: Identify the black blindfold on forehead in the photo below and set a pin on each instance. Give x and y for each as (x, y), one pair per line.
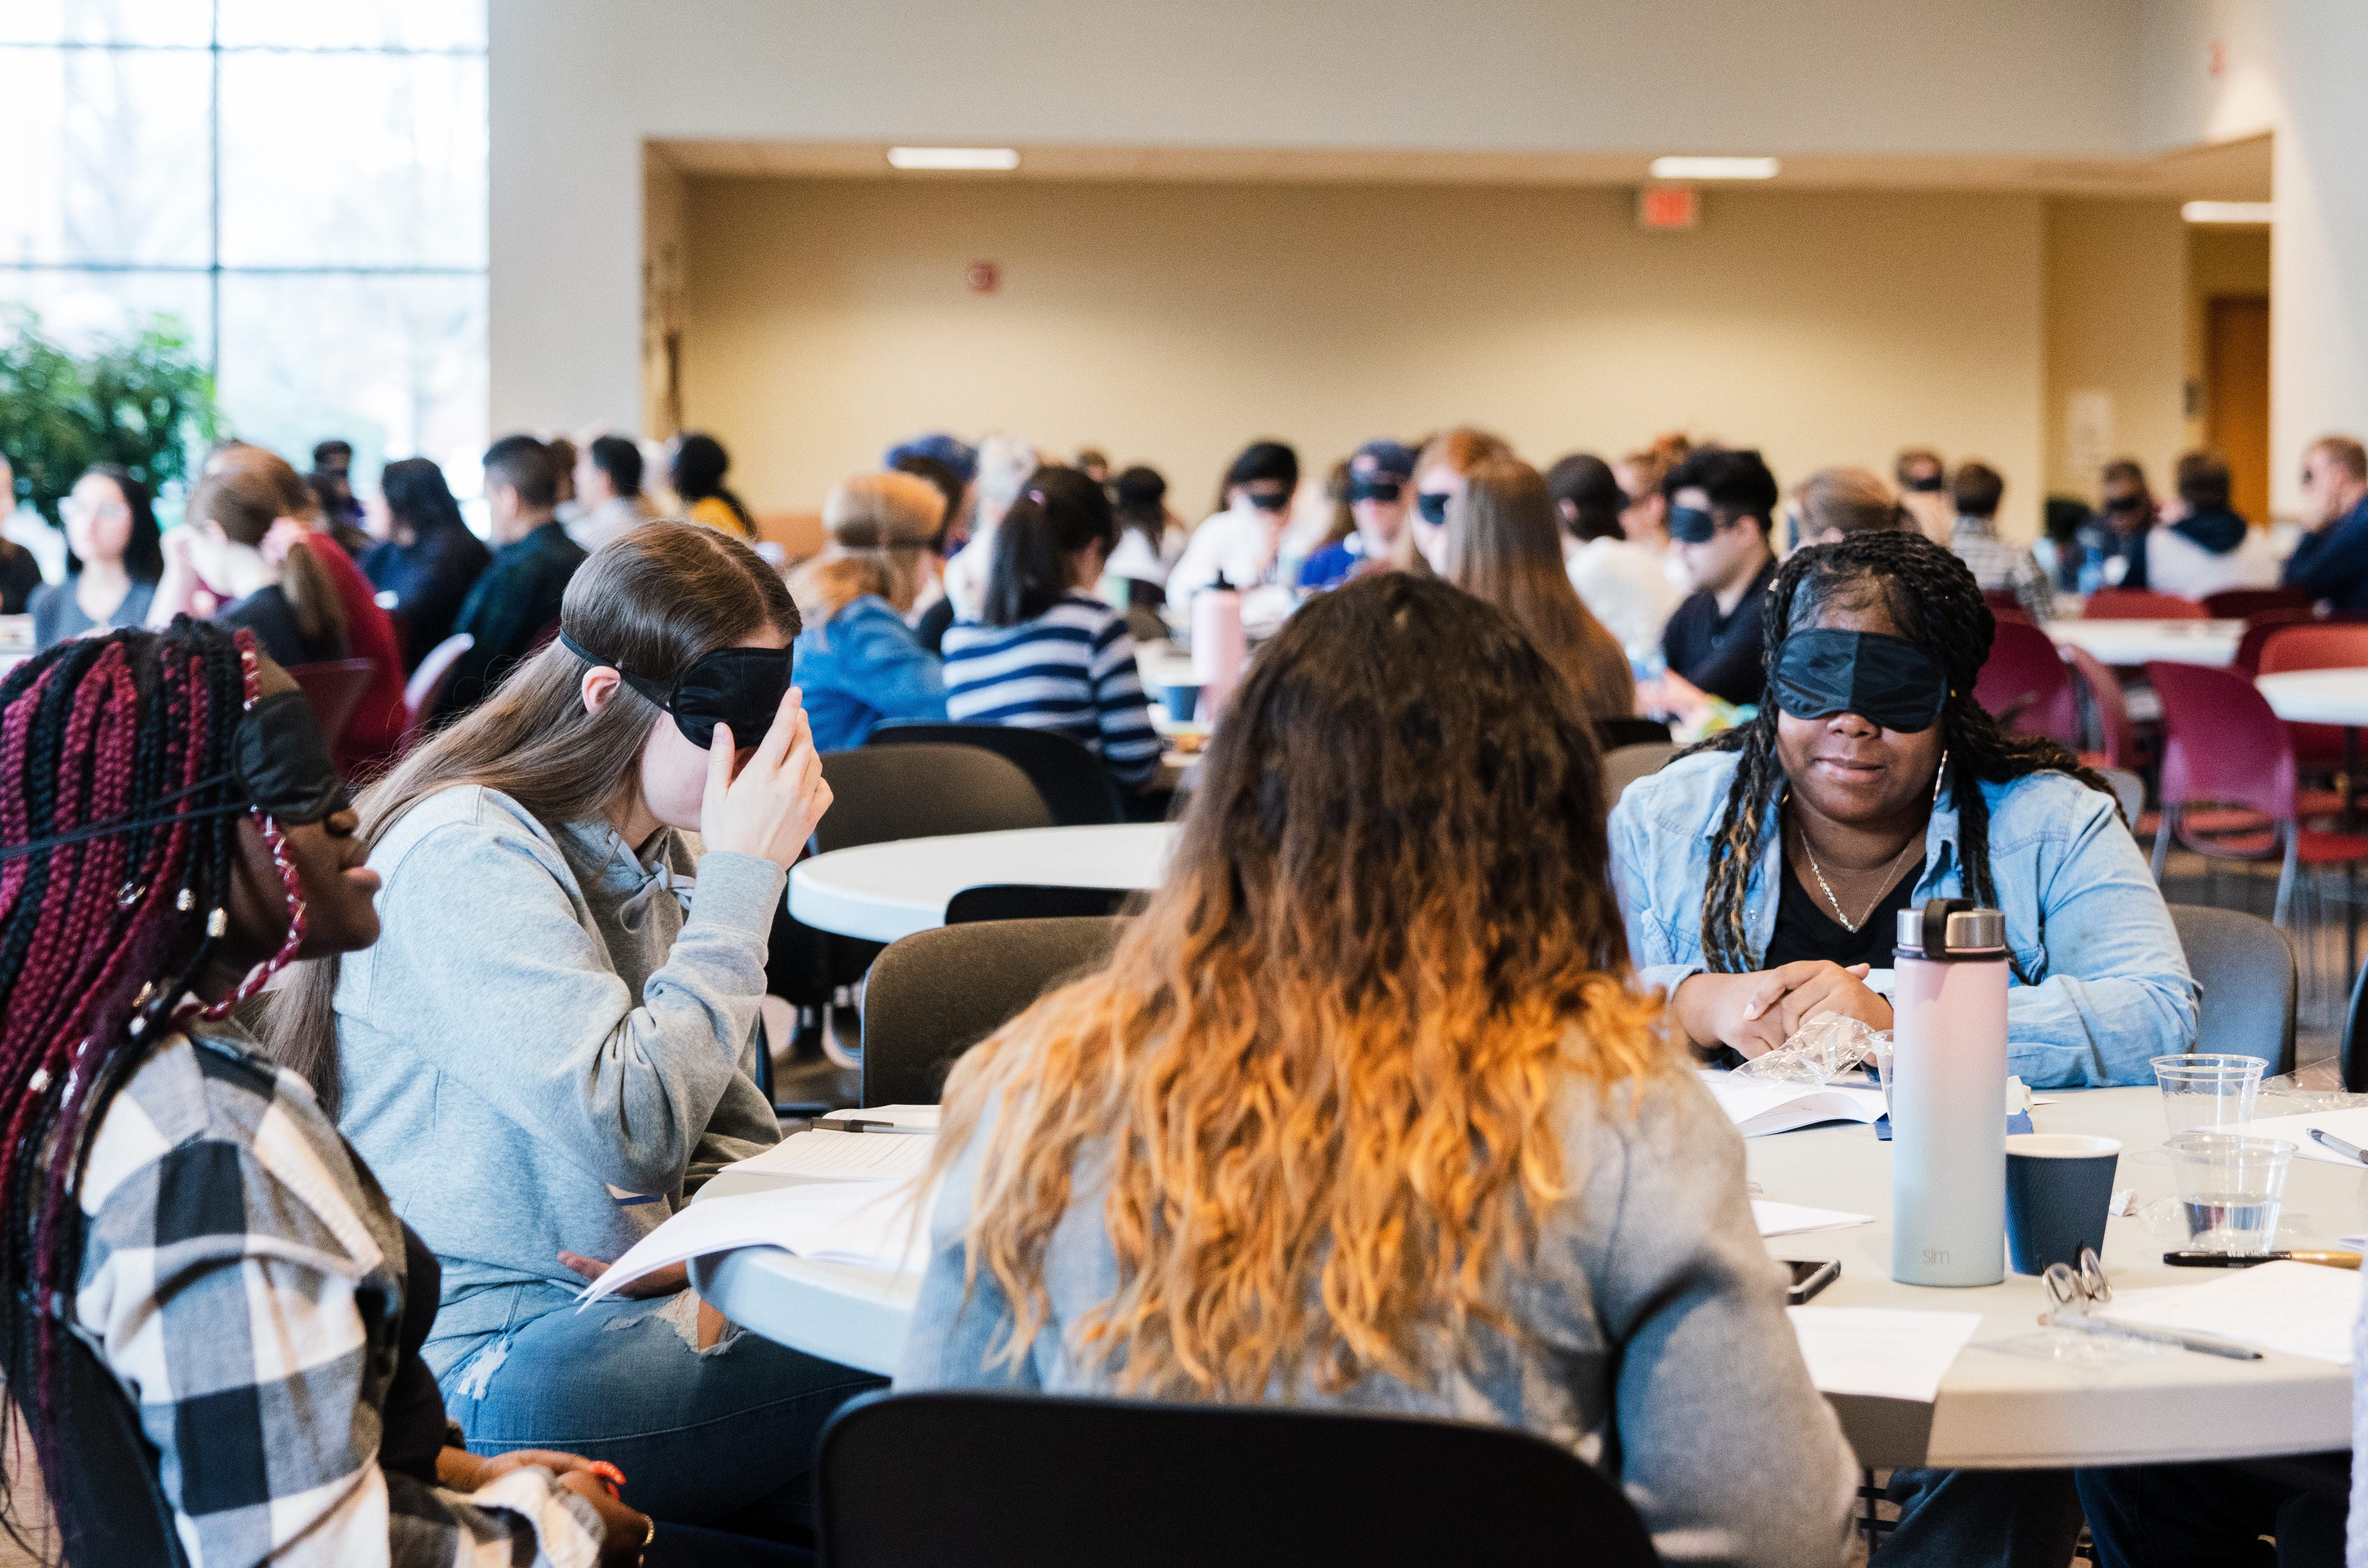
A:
(1885, 680)
(739, 686)
(1692, 524)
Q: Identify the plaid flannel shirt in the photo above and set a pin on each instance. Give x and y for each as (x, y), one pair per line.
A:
(1998, 564)
(243, 1276)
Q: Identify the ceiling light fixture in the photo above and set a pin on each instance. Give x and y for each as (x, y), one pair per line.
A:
(1714, 168)
(953, 157)
(2227, 211)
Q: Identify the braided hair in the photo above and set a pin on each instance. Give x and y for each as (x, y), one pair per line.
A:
(1934, 602)
(118, 825)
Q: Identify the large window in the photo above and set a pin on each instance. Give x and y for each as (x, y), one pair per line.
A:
(300, 182)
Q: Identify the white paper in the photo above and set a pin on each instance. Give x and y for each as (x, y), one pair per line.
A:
(2301, 1309)
(893, 1115)
(1760, 1107)
(2351, 1126)
(879, 1224)
(1792, 1219)
(818, 1155)
(1887, 1351)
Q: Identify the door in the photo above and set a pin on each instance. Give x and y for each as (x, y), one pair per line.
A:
(2236, 397)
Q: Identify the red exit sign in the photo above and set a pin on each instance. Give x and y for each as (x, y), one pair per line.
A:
(1668, 207)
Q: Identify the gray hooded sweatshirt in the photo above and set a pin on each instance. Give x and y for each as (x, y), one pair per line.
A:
(542, 1052)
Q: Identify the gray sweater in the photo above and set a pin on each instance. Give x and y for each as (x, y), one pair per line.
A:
(542, 1052)
(1658, 1349)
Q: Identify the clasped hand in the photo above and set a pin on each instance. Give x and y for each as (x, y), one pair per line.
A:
(1755, 1013)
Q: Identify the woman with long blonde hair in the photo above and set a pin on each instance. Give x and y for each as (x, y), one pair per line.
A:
(1363, 1111)
(859, 664)
(1503, 545)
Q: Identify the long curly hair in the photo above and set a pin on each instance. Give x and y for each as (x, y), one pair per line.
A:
(1933, 600)
(1328, 1063)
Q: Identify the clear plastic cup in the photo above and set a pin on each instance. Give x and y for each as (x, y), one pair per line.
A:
(2230, 1188)
(2214, 1092)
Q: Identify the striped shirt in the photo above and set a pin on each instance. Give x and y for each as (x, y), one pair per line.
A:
(1070, 670)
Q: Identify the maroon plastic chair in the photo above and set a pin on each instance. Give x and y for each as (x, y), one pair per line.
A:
(2243, 604)
(334, 688)
(2318, 747)
(427, 686)
(2136, 604)
(2005, 606)
(2258, 629)
(2223, 746)
(2024, 684)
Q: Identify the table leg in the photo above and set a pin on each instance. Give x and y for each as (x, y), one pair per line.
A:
(2350, 777)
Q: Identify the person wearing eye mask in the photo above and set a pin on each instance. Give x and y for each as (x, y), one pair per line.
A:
(1720, 505)
(1241, 542)
(549, 1051)
(1620, 582)
(1381, 474)
(1923, 480)
(2129, 516)
(1760, 875)
(1439, 475)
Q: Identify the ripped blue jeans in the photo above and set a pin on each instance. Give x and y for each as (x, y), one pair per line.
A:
(721, 1436)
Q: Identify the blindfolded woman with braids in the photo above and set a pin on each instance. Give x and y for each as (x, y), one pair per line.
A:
(1355, 1113)
(1762, 875)
(1761, 872)
(171, 832)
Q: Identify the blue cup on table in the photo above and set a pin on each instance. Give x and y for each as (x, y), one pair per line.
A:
(1182, 702)
(2058, 1188)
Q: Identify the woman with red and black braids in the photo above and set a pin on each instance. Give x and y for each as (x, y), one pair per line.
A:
(170, 834)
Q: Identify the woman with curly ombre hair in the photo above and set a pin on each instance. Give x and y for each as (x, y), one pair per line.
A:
(1363, 1111)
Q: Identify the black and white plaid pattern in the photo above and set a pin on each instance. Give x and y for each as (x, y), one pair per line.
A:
(1998, 564)
(244, 1278)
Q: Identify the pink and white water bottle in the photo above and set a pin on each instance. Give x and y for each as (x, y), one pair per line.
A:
(1948, 1095)
(1219, 647)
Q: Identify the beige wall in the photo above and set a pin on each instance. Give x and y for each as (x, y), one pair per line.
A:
(2116, 352)
(1170, 323)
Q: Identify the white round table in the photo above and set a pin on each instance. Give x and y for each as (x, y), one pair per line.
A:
(883, 892)
(2317, 697)
(1997, 1408)
(2128, 644)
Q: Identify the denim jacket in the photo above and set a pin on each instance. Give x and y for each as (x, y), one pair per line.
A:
(864, 668)
(2103, 985)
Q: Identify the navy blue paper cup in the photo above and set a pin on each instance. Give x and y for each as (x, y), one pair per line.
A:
(1181, 702)
(2058, 1188)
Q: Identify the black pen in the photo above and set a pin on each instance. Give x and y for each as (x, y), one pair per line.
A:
(862, 1124)
(2247, 1259)
(2348, 1151)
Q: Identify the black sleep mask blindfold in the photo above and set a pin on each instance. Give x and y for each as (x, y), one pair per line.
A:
(1692, 524)
(280, 766)
(1885, 680)
(739, 686)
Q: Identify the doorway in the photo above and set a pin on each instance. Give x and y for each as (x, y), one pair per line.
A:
(2236, 396)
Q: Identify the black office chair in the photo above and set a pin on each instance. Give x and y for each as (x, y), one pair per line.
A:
(2245, 969)
(1076, 786)
(878, 795)
(1033, 901)
(937, 1479)
(1629, 730)
(937, 994)
(112, 1508)
(2352, 1056)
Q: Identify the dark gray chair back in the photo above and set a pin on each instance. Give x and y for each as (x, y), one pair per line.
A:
(2246, 972)
(1033, 901)
(937, 994)
(2352, 1057)
(941, 1479)
(1626, 765)
(113, 1509)
(1075, 785)
(879, 793)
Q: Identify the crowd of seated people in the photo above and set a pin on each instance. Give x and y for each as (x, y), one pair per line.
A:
(1349, 1119)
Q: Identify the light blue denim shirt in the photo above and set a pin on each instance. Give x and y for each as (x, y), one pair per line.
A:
(2105, 986)
(862, 669)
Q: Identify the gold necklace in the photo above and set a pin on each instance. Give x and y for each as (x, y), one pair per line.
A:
(1817, 871)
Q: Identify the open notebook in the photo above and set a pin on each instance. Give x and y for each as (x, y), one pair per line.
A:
(1761, 1105)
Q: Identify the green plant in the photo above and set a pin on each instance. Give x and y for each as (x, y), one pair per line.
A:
(145, 401)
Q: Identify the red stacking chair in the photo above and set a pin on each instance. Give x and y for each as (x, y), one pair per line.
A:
(2004, 606)
(2319, 748)
(427, 685)
(334, 688)
(2024, 683)
(2136, 604)
(2243, 604)
(2259, 628)
(2223, 746)
(2116, 737)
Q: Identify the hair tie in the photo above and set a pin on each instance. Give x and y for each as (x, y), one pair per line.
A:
(1037, 496)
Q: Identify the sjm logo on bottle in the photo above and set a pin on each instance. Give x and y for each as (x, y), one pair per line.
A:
(1935, 1255)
